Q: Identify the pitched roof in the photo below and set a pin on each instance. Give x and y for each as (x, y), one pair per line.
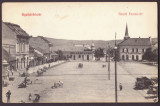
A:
(36, 43)
(6, 56)
(50, 44)
(16, 29)
(68, 48)
(136, 42)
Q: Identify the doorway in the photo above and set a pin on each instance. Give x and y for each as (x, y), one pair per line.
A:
(87, 57)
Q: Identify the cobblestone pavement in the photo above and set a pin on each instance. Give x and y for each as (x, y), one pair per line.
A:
(87, 84)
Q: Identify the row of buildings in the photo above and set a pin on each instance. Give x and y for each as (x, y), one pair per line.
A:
(20, 49)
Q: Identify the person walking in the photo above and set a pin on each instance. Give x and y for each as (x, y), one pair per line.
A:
(8, 94)
(30, 97)
(12, 72)
(25, 81)
(120, 87)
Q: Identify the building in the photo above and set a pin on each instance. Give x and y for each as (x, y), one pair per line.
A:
(80, 52)
(42, 45)
(15, 41)
(35, 57)
(133, 48)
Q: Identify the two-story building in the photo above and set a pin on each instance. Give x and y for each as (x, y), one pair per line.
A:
(133, 48)
(16, 42)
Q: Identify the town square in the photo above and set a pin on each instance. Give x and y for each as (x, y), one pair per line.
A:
(79, 53)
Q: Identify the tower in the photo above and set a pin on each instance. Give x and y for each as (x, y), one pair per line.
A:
(93, 50)
(92, 46)
(126, 34)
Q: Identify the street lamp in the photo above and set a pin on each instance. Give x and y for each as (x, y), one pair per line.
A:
(115, 70)
(109, 62)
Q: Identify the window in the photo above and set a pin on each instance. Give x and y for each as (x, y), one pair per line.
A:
(137, 57)
(127, 50)
(21, 62)
(17, 63)
(132, 49)
(23, 47)
(122, 50)
(132, 57)
(79, 56)
(17, 48)
(122, 57)
(137, 49)
(143, 50)
(127, 57)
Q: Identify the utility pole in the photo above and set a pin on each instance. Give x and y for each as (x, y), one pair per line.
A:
(115, 70)
(109, 62)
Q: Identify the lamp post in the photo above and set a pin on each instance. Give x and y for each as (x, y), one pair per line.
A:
(115, 70)
(109, 63)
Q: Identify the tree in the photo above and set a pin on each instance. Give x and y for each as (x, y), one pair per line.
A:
(99, 53)
(155, 52)
(112, 53)
(60, 55)
(150, 55)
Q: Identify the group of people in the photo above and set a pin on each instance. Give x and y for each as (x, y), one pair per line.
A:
(36, 99)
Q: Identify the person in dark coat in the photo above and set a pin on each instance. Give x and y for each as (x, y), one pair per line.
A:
(25, 81)
(120, 87)
(29, 97)
(8, 94)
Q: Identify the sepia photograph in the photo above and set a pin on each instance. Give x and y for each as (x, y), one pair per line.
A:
(79, 52)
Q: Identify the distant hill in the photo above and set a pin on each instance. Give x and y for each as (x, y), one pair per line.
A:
(62, 44)
(67, 45)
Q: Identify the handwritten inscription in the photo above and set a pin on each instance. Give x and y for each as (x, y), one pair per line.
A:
(130, 13)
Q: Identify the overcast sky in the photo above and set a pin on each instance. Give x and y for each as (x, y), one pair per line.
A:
(83, 21)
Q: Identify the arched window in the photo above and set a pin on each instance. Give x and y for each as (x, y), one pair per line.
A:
(137, 58)
(132, 57)
(122, 57)
(127, 57)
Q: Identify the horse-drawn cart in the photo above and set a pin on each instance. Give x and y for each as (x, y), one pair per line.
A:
(80, 65)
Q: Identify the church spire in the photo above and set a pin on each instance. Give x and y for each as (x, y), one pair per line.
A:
(126, 33)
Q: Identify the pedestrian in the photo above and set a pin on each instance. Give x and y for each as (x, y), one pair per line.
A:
(29, 97)
(8, 94)
(37, 98)
(25, 81)
(12, 72)
(27, 68)
(120, 87)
